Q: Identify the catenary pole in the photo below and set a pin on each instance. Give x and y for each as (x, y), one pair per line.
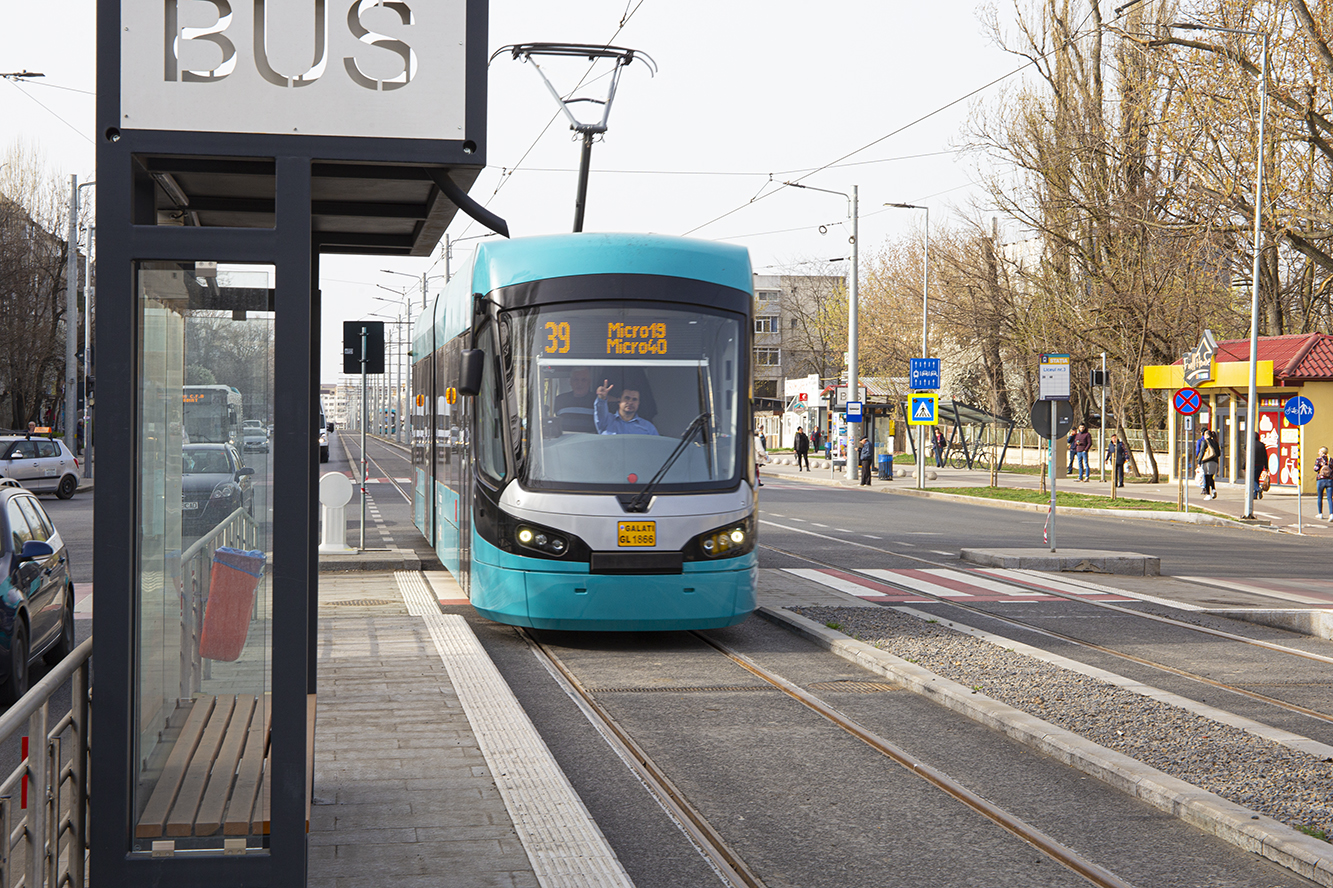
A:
(72, 315)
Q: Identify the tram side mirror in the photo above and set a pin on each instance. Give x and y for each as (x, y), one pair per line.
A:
(470, 366)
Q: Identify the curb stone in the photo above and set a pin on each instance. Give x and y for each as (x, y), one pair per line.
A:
(1307, 856)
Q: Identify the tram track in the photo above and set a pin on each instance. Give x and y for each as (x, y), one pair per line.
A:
(388, 476)
(1084, 643)
(730, 867)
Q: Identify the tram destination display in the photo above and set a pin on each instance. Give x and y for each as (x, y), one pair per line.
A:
(618, 334)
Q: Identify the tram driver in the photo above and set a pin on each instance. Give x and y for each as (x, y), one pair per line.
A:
(626, 419)
(574, 408)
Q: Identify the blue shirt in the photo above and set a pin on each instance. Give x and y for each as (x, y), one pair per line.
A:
(609, 423)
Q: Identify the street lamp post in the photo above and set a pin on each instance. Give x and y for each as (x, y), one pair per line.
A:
(1252, 404)
(925, 335)
(853, 301)
(404, 373)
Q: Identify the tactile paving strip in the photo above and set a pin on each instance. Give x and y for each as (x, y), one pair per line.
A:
(564, 844)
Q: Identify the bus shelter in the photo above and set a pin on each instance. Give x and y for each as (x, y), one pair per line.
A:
(1287, 366)
(975, 438)
(229, 161)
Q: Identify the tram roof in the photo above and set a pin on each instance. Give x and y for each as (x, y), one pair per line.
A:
(521, 260)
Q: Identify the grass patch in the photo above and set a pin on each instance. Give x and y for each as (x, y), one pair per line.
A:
(1314, 832)
(1073, 500)
(836, 627)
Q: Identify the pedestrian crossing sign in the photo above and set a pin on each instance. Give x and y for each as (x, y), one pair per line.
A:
(923, 410)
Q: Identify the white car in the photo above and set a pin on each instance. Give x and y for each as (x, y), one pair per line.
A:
(42, 465)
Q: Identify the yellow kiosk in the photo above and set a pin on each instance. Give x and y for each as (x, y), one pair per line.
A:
(1287, 366)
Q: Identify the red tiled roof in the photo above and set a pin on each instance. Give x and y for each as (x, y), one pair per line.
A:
(1306, 356)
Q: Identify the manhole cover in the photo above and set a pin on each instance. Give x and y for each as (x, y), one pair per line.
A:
(363, 602)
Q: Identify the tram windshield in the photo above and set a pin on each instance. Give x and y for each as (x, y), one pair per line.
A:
(606, 397)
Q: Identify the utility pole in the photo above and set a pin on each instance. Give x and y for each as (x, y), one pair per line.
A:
(853, 366)
(72, 317)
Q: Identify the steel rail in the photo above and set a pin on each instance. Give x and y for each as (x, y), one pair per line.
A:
(726, 862)
(387, 475)
(1051, 633)
(1015, 825)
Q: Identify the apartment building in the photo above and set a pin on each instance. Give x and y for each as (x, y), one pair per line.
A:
(793, 338)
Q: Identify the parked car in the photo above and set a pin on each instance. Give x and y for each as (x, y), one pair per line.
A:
(42, 465)
(214, 483)
(36, 592)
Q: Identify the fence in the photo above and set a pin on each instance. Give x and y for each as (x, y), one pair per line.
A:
(45, 834)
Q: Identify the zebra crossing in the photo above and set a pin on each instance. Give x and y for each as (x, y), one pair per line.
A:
(923, 585)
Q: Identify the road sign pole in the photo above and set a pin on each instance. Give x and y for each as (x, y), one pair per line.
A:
(1300, 477)
(1054, 424)
(1189, 469)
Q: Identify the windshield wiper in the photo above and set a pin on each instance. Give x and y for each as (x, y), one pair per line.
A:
(639, 502)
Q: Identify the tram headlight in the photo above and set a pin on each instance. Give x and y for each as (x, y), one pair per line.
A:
(541, 540)
(728, 541)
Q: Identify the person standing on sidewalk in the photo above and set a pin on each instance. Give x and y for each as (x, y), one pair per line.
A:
(1069, 445)
(801, 444)
(1115, 450)
(1209, 454)
(1260, 465)
(1082, 444)
(938, 444)
(1323, 473)
(760, 455)
(866, 454)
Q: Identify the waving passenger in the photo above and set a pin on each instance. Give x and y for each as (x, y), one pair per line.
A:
(626, 420)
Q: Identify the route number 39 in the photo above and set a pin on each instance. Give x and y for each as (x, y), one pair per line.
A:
(557, 337)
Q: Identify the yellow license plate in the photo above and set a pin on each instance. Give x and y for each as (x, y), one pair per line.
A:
(636, 533)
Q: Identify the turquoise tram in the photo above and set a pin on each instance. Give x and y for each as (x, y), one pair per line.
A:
(581, 432)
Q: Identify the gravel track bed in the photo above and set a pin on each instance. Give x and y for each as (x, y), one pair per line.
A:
(1292, 787)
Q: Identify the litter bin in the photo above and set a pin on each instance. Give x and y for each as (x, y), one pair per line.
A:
(886, 467)
(231, 600)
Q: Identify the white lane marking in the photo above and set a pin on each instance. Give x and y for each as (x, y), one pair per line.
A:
(1235, 586)
(981, 582)
(817, 524)
(802, 520)
(842, 585)
(1276, 735)
(871, 536)
(1071, 586)
(915, 584)
(843, 530)
(942, 552)
(560, 837)
(777, 515)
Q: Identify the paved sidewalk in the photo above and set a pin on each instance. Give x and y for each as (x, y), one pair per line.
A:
(1278, 506)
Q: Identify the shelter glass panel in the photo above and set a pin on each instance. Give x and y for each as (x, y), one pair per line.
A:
(204, 527)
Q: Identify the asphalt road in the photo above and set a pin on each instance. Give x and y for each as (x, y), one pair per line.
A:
(936, 529)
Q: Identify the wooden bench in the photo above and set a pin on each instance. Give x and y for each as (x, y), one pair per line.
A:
(216, 778)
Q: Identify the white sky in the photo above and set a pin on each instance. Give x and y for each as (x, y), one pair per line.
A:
(744, 89)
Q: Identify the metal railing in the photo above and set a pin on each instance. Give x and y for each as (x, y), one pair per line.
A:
(238, 530)
(45, 829)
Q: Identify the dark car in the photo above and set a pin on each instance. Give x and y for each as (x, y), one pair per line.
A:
(214, 483)
(36, 593)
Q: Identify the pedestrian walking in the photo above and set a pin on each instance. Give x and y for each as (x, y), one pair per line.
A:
(816, 440)
(1323, 473)
(801, 444)
(760, 455)
(1209, 454)
(1117, 454)
(1082, 444)
(938, 443)
(1260, 466)
(1069, 446)
(867, 454)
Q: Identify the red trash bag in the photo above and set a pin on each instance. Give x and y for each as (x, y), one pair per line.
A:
(231, 600)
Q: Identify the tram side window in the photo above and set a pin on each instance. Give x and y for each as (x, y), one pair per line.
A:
(490, 436)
